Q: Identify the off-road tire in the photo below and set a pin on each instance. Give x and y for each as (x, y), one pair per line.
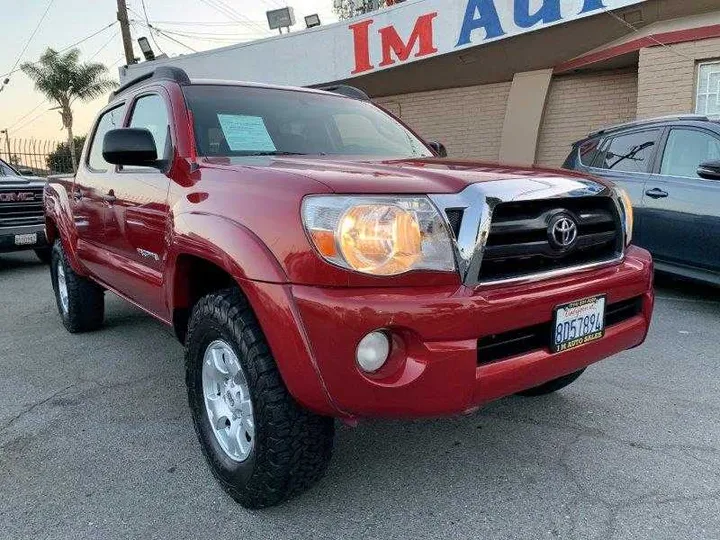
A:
(292, 446)
(86, 300)
(552, 386)
(44, 255)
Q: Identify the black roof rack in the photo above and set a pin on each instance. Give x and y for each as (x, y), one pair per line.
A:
(345, 90)
(648, 121)
(166, 73)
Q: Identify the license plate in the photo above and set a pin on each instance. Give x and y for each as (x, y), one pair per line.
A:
(26, 239)
(578, 323)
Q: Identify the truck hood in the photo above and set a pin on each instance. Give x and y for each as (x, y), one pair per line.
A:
(22, 182)
(431, 176)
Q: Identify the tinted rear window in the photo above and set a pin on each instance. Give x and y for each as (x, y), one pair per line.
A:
(629, 153)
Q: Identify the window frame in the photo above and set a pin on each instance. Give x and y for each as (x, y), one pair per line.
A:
(153, 91)
(105, 111)
(664, 142)
(697, 85)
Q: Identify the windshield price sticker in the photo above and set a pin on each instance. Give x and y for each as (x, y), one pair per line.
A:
(246, 133)
(578, 323)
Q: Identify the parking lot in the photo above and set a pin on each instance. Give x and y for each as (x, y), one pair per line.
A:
(96, 441)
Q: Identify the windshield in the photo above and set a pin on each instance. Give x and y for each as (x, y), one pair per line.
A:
(247, 121)
(6, 170)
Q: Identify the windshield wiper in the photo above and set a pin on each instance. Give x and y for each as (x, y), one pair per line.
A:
(277, 153)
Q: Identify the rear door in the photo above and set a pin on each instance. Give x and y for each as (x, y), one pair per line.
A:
(89, 197)
(682, 210)
(137, 216)
(627, 159)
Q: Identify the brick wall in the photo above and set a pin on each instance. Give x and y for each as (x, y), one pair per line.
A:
(468, 121)
(667, 77)
(579, 104)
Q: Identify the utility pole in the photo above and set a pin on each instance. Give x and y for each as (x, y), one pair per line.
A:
(122, 16)
(7, 142)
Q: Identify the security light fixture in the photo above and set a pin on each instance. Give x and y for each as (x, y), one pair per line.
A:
(281, 18)
(312, 20)
(146, 48)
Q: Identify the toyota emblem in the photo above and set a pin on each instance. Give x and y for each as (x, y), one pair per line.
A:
(563, 232)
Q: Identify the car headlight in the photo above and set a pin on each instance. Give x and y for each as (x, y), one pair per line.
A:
(628, 215)
(383, 236)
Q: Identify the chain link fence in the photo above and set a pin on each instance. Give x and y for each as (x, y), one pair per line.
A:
(39, 157)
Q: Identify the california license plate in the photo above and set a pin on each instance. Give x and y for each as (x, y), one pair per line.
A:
(578, 323)
(26, 239)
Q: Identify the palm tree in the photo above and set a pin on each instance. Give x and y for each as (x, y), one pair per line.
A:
(63, 79)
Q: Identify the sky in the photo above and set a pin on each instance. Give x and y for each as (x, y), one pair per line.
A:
(188, 24)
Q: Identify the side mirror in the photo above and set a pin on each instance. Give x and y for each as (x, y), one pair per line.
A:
(438, 148)
(131, 146)
(710, 170)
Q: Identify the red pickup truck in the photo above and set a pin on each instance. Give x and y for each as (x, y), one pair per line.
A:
(319, 260)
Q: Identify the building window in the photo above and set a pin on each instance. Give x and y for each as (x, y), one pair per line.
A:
(708, 89)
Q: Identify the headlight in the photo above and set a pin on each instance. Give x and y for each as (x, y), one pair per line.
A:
(383, 236)
(628, 217)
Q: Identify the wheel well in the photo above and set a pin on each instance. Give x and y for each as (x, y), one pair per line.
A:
(194, 278)
(51, 231)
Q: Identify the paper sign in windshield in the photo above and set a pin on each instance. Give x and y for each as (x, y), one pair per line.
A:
(246, 133)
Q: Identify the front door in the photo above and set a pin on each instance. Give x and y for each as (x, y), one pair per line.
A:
(137, 216)
(682, 210)
(90, 193)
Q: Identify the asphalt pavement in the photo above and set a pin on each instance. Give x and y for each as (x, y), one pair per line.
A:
(96, 441)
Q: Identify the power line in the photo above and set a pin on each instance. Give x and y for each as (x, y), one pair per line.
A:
(68, 47)
(101, 49)
(148, 23)
(163, 34)
(27, 43)
(231, 14)
(24, 116)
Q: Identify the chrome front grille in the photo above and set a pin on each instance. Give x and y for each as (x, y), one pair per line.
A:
(21, 206)
(502, 229)
(521, 240)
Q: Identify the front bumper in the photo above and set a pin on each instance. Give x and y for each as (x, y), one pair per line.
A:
(434, 369)
(8, 234)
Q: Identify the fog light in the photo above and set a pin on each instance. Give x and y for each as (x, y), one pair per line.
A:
(373, 351)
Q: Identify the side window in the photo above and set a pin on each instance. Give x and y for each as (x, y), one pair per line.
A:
(686, 149)
(150, 113)
(6, 170)
(630, 153)
(588, 152)
(112, 119)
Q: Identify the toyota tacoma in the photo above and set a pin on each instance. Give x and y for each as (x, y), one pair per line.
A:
(320, 261)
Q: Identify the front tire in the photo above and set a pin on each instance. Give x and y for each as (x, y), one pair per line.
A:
(552, 386)
(260, 444)
(80, 302)
(44, 255)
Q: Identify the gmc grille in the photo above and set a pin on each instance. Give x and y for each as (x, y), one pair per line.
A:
(520, 243)
(14, 213)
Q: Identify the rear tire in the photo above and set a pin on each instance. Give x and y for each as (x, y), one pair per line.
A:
(80, 302)
(552, 386)
(283, 449)
(44, 255)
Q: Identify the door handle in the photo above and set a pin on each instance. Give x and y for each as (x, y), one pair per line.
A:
(110, 198)
(77, 195)
(656, 193)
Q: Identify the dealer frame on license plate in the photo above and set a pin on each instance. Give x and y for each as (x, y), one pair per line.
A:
(578, 323)
(26, 239)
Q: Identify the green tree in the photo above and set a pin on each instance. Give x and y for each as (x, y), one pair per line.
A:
(60, 160)
(346, 9)
(64, 79)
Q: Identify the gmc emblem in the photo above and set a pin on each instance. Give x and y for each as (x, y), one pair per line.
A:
(17, 197)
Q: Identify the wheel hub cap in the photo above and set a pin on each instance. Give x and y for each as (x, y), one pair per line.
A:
(227, 401)
(62, 287)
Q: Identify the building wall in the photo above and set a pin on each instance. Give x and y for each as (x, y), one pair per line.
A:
(579, 104)
(667, 76)
(468, 121)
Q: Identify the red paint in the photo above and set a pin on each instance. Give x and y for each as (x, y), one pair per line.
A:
(246, 221)
(654, 40)
(422, 36)
(391, 43)
(361, 43)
